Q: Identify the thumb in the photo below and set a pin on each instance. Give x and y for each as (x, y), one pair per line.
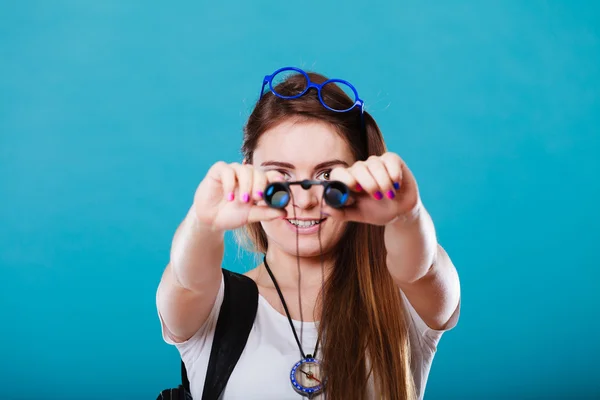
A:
(264, 213)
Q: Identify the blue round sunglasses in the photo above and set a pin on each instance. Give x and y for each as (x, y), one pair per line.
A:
(346, 86)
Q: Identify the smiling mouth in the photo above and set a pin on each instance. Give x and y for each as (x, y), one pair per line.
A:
(305, 223)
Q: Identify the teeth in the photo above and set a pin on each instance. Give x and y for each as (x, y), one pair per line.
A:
(303, 224)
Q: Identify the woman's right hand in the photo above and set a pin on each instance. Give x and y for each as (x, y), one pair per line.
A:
(228, 195)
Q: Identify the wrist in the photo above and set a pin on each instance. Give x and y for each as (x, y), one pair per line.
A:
(198, 225)
(409, 217)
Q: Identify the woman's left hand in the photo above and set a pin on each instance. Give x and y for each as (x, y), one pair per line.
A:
(383, 190)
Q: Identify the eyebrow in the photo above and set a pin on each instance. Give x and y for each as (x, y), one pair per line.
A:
(286, 165)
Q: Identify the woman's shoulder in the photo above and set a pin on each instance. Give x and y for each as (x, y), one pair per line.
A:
(252, 274)
(420, 332)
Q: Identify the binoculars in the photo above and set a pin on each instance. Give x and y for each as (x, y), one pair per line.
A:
(335, 193)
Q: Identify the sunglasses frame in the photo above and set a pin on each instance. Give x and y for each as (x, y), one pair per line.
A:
(268, 80)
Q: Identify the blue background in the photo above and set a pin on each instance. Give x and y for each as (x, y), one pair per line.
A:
(112, 111)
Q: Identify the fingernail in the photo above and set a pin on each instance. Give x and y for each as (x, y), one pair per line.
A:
(230, 196)
(245, 197)
(396, 185)
(378, 195)
(390, 194)
(358, 187)
(259, 193)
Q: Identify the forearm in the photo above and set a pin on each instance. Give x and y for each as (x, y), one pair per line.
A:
(190, 281)
(196, 252)
(411, 245)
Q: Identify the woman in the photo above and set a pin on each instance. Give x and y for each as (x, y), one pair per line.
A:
(375, 291)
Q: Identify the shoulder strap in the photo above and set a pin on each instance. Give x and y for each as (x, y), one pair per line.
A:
(236, 318)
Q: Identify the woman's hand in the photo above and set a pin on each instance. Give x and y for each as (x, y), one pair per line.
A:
(384, 190)
(230, 197)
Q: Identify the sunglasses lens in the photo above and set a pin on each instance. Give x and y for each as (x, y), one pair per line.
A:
(289, 83)
(277, 195)
(336, 194)
(338, 96)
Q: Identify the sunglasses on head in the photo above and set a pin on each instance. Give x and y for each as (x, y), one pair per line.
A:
(283, 74)
(335, 193)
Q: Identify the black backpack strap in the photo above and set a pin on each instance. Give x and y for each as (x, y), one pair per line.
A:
(236, 318)
(184, 379)
(177, 393)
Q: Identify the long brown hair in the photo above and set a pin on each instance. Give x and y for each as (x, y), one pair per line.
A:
(363, 325)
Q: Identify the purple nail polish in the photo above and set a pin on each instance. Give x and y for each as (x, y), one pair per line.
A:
(245, 197)
(378, 195)
(230, 196)
(390, 194)
(396, 185)
(260, 193)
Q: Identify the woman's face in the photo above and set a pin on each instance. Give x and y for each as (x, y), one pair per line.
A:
(299, 150)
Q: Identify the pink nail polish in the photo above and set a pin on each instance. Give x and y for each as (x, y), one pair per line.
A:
(378, 195)
(230, 196)
(245, 197)
(358, 187)
(390, 194)
(260, 193)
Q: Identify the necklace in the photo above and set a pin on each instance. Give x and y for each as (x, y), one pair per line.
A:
(306, 374)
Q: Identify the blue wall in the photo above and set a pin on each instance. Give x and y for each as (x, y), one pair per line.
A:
(111, 112)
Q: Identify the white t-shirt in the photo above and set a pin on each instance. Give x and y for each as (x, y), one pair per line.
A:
(263, 370)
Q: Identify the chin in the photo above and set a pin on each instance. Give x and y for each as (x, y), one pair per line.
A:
(307, 251)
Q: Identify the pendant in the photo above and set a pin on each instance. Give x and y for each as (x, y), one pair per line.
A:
(306, 377)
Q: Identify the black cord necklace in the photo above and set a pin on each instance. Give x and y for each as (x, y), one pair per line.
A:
(306, 374)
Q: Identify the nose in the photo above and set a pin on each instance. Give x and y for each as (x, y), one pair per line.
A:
(304, 199)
